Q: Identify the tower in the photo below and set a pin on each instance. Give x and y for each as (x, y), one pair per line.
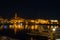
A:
(15, 15)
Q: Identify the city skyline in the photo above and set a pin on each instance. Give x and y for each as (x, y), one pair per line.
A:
(30, 19)
(30, 9)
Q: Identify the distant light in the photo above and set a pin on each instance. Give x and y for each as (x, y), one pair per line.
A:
(54, 29)
(5, 26)
(21, 24)
(57, 39)
(32, 20)
(54, 20)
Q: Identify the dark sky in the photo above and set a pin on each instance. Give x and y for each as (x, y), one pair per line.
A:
(30, 9)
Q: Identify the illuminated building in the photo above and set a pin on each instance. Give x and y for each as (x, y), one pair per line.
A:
(18, 23)
(54, 21)
(42, 21)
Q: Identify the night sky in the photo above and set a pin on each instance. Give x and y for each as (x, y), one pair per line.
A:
(30, 9)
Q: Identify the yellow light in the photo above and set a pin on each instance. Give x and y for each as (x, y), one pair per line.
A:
(20, 27)
(26, 26)
(32, 27)
(32, 20)
(43, 21)
(36, 26)
(26, 22)
(11, 26)
(20, 20)
(36, 22)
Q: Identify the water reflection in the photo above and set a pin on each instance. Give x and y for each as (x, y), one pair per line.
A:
(6, 38)
(26, 31)
(20, 30)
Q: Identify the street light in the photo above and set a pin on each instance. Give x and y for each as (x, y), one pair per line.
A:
(54, 29)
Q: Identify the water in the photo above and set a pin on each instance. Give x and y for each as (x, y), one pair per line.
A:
(20, 35)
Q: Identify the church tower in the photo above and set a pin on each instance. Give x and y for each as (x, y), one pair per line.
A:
(15, 15)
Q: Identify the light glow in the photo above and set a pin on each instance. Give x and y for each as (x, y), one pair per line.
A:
(54, 29)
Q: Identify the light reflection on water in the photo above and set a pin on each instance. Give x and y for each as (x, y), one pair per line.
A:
(7, 38)
(28, 28)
